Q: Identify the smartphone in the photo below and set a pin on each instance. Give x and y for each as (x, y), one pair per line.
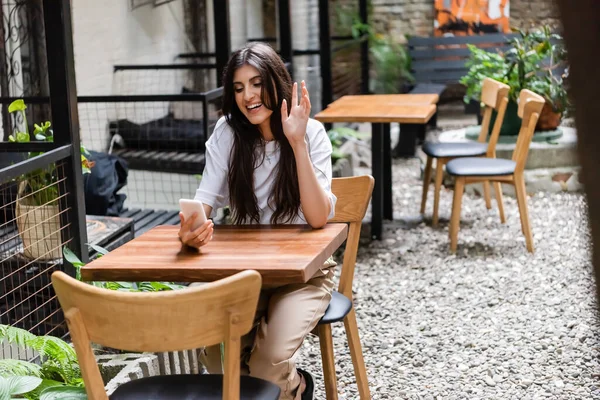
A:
(189, 207)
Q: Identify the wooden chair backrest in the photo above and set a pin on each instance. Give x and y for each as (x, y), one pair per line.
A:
(217, 312)
(494, 96)
(353, 197)
(530, 107)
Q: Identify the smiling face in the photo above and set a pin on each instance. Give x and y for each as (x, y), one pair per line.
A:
(248, 86)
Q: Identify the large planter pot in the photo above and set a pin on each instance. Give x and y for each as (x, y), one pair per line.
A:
(511, 124)
(343, 167)
(549, 120)
(39, 229)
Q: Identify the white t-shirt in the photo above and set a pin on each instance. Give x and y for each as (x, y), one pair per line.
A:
(214, 189)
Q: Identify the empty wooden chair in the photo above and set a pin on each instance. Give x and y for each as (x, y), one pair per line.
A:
(353, 197)
(218, 312)
(494, 96)
(478, 169)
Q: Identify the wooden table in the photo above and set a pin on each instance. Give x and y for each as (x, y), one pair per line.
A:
(282, 254)
(380, 111)
(388, 99)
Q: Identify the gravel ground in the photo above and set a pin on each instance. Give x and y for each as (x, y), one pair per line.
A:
(491, 322)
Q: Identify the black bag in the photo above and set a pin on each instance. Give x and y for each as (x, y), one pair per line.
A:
(8, 190)
(107, 177)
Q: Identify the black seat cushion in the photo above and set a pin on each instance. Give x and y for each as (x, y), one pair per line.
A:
(338, 308)
(166, 133)
(460, 149)
(480, 166)
(193, 387)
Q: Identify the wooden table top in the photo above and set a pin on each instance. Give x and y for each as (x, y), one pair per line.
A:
(282, 254)
(377, 111)
(405, 99)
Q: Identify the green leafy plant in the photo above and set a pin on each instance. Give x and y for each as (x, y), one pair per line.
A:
(40, 184)
(56, 377)
(120, 286)
(530, 63)
(389, 59)
(337, 137)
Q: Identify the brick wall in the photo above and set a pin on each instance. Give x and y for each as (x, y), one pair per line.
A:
(415, 17)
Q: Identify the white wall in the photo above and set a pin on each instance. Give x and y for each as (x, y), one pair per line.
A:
(106, 33)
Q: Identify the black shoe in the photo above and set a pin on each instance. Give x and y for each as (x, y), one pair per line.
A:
(309, 380)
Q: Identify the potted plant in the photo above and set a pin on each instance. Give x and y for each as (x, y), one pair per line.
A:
(56, 376)
(389, 60)
(341, 159)
(37, 209)
(532, 62)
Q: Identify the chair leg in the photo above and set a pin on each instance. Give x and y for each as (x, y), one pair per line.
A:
(522, 200)
(426, 180)
(486, 195)
(327, 357)
(498, 190)
(439, 175)
(360, 371)
(459, 187)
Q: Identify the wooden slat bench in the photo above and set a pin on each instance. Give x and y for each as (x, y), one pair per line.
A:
(174, 162)
(437, 62)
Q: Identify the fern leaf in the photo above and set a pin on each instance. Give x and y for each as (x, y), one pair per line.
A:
(10, 367)
(16, 336)
(53, 348)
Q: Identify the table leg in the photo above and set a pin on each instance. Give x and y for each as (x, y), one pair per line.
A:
(388, 207)
(377, 135)
(407, 141)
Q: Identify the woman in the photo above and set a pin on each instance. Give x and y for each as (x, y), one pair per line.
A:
(270, 167)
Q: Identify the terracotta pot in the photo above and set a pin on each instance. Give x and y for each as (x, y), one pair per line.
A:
(549, 120)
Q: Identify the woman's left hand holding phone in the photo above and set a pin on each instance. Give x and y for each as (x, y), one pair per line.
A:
(198, 237)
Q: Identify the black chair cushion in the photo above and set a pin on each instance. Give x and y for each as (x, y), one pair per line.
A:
(460, 149)
(480, 166)
(193, 387)
(338, 308)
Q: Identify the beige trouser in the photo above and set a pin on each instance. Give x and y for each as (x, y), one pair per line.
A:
(284, 316)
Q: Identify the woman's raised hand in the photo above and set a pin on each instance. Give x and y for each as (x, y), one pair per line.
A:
(294, 124)
(195, 238)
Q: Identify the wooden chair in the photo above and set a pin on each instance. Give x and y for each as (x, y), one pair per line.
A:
(218, 312)
(494, 95)
(477, 169)
(353, 197)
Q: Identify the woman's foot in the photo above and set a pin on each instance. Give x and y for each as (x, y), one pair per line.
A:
(309, 385)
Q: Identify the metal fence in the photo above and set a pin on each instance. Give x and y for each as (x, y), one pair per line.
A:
(40, 180)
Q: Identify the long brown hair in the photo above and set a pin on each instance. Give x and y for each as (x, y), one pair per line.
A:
(276, 86)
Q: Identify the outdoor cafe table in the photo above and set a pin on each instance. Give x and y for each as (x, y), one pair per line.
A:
(380, 111)
(282, 254)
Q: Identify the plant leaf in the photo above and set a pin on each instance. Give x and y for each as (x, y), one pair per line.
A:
(46, 383)
(4, 389)
(64, 393)
(41, 137)
(17, 336)
(54, 348)
(99, 249)
(22, 384)
(71, 257)
(17, 105)
(12, 367)
(23, 137)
